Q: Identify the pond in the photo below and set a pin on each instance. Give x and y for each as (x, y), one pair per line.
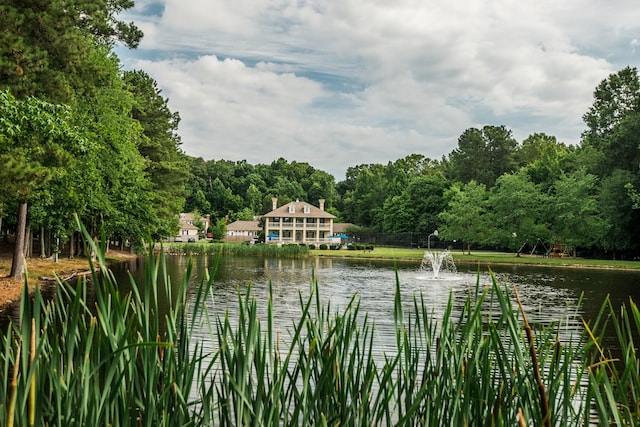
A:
(549, 294)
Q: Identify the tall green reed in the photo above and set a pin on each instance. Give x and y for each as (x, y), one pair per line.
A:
(119, 361)
(614, 375)
(237, 249)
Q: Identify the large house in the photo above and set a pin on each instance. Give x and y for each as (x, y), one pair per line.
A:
(298, 222)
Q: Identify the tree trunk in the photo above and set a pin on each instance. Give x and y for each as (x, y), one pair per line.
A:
(72, 244)
(43, 253)
(28, 250)
(55, 253)
(17, 265)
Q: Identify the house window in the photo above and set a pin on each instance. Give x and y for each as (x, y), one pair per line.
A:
(306, 209)
(292, 209)
(311, 220)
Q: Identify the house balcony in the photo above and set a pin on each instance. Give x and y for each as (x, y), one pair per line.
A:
(323, 226)
(291, 240)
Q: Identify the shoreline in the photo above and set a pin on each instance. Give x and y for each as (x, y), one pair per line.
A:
(492, 259)
(44, 273)
(67, 269)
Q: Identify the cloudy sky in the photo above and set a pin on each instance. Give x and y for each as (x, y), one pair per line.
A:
(338, 83)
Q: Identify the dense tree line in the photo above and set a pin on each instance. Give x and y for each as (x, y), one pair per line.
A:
(78, 135)
(240, 191)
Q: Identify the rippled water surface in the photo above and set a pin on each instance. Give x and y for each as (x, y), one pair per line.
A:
(548, 294)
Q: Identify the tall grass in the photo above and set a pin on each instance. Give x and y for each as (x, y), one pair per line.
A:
(121, 361)
(238, 249)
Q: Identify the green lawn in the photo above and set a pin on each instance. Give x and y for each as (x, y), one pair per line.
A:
(483, 257)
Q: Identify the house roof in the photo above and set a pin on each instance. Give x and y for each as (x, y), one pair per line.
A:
(244, 226)
(298, 211)
(187, 226)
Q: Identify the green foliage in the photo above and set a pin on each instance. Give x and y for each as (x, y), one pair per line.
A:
(367, 190)
(483, 155)
(224, 249)
(518, 206)
(614, 379)
(220, 229)
(37, 142)
(122, 359)
(466, 217)
(573, 211)
(613, 99)
(416, 208)
(166, 165)
(618, 213)
(46, 43)
(224, 187)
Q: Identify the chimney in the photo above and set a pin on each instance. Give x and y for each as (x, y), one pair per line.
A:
(321, 201)
(274, 202)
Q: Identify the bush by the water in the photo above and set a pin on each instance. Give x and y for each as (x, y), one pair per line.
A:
(123, 361)
(358, 247)
(260, 249)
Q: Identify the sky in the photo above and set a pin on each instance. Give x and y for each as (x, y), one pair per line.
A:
(340, 83)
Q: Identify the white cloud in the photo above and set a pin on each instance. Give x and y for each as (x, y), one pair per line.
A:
(359, 81)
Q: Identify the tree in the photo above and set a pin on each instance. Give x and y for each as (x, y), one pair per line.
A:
(614, 121)
(223, 201)
(416, 209)
(612, 145)
(621, 220)
(518, 210)
(46, 43)
(58, 52)
(253, 198)
(37, 141)
(220, 229)
(483, 155)
(364, 204)
(466, 216)
(166, 165)
(614, 98)
(573, 211)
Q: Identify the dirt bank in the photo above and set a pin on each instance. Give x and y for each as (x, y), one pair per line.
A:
(39, 268)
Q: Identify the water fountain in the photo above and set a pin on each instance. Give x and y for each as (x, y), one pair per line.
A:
(437, 261)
